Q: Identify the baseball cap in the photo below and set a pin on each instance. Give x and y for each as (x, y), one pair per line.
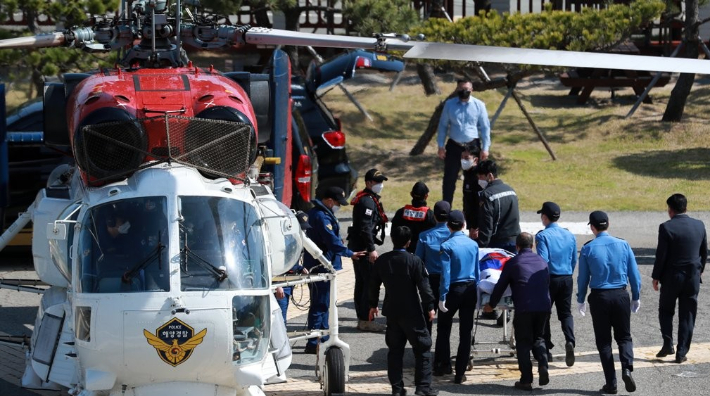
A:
(598, 218)
(456, 217)
(441, 210)
(303, 220)
(551, 210)
(335, 193)
(420, 189)
(375, 175)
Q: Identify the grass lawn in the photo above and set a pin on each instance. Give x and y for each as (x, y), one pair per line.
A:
(604, 161)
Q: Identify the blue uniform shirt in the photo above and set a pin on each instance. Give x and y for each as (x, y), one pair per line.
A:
(558, 247)
(459, 261)
(465, 121)
(607, 262)
(325, 232)
(429, 245)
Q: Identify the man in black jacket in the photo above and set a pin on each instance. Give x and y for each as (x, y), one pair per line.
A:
(368, 229)
(406, 281)
(417, 216)
(680, 261)
(499, 223)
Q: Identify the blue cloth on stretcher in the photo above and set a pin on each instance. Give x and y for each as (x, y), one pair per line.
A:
(491, 262)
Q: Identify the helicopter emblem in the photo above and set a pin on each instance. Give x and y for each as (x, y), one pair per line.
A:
(174, 341)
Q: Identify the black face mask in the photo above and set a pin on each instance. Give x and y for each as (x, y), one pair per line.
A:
(464, 94)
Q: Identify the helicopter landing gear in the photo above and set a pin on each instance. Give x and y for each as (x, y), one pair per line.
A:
(334, 372)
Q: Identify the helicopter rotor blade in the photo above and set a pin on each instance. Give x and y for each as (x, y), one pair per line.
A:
(479, 53)
(264, 36)
(55, 39)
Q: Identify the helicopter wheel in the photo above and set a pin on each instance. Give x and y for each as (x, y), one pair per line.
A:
(334, 372)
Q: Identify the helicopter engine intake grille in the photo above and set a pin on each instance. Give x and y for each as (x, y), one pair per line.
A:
(216, 148)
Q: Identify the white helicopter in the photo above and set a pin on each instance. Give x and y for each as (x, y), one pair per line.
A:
(160, 248)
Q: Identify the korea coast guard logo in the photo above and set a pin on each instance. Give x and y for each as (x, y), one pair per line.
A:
(174, 341)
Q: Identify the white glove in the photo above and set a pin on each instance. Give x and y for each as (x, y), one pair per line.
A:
(635, 305)
(582, 308)
(442, 306)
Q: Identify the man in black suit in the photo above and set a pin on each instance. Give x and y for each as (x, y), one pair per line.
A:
(680, 261)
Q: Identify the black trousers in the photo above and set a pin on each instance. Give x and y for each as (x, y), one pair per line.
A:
(452, 165)
(530, 336)
(434, 280)
(682, 284)
(561, 288)
(611, 309)
(399, 331)
(462, 299)
(363, 269)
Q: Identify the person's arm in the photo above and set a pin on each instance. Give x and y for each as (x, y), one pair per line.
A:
(421, 279)
(443, 126)
(633, 274)
(484, 128)
(502, 284)
(574, 251)
(332, 241)
(661, 253)
(486, 222)
(703, 251)
(445, 274)
(398, 219)
(421, 249)
(373, 295)
(541, 247)
(366, 211)
(582, 277)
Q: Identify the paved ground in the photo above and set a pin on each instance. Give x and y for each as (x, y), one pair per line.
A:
(492, 375)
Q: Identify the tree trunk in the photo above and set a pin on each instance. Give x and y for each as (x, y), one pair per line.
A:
(37, 82)
(431, 129)
(679, 95)
(426, 74)
(292, 23)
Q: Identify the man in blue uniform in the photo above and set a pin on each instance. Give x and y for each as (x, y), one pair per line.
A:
(416, 216)
(368, 229)
(607, 265)
(465, 121)
(680, 261)
(429, 246)
(457, 292)
(405, 280)
(529, 280)
(325, 232)
(558, 247)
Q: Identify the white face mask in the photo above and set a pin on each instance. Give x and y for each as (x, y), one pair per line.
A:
(335, 209)
(123, 228)
(377, 188)
(466, 164)
(483, 183)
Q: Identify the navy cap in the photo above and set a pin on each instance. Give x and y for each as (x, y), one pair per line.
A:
(456, 218)
(551, 210)
(375, 175)
(598, 218)
(442, 209)
(303, 220)
(420, 190)
(335, 193)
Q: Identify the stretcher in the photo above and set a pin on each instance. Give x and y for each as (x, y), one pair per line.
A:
(505, 346)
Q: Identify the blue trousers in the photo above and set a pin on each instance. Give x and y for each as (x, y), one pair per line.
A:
(318, 311)
(283, 302)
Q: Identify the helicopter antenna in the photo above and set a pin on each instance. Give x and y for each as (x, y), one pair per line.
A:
(178, 18)
(152, 27)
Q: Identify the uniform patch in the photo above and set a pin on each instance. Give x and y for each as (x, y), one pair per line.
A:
(329, 226)
(174, 341)
(368, 212)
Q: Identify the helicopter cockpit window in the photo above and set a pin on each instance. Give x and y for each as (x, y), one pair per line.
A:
(124, 247)
(221, 245)
(251, 323)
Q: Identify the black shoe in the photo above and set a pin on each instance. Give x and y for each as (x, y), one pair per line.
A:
(569, 354)
(607, 389)
(680, 359)
(499, 322)
(665, 352)
(441, 371)
(427, 392)
(628, 380)
(311, 349)
(549, 356)
(544, 375)
(489, 315)
(402, 392)
(460, 380)
(522, 386)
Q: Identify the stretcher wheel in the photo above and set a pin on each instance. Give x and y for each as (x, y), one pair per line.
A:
(334, 372)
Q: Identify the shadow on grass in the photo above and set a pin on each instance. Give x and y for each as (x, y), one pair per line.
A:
(688, 164)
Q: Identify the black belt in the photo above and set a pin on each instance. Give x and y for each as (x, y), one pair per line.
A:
(463, 145)
(612, 289)
(464, 283)
(559, 276)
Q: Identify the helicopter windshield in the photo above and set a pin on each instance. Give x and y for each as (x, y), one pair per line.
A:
(221, 245)
(123, 247)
